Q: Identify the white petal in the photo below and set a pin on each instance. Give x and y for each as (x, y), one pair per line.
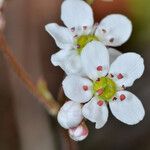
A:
(69, 61)
(93, 55)
(130, 65)
(95, 113)
(73, 88)
(70, 115)
(58, 58)
(73, 64)
(79, 133)
(62, 35)
(76, 13)
(113, 54)
(114, 30)
(130, 110)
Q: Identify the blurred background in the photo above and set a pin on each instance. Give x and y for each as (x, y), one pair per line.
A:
(24, 123)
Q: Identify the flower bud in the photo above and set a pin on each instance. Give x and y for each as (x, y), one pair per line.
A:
(79, 133)
(1, 3)
(70, 115)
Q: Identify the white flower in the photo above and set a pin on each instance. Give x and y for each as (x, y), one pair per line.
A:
(77, 15)
(70, 115)
(79, 133)
(106, 85)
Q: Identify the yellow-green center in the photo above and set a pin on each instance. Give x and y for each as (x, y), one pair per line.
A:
(104, 89)
(82, 40)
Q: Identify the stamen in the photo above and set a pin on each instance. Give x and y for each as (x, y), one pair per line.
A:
(100, 103)
(122, 97)
(73, 29)
(119, 76)
(96, 24)
(85, 87)
(104, 31)
(98, 79)
(111, 40)
(75, 36)
(99, 68)
(78, 46)
(84, 27)
(111, 75)
(123, 87)
(100, 91)
(115, 98)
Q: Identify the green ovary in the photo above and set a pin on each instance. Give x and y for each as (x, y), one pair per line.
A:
(83, 40)
(108, 86)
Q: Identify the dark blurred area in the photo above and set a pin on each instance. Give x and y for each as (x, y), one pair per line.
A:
(24, 123)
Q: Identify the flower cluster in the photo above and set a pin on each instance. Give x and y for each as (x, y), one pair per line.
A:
(97, 75)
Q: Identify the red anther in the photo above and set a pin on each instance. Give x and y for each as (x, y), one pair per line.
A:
(100, 91)
(78, 46)
(111, 40)
(122, 97)
(111, 75)
(73, 29)
(100, 103)
(99, 68)
(119, 76)
(85, 87)
(84, 27)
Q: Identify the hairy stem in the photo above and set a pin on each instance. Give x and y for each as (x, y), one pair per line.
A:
(50, 104)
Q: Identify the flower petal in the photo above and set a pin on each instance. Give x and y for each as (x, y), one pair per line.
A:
(70, 115)
(130, 110)
(69, 61)
(73, 15)
(114, 30)
(95, 55)
(130, 65)
(113, 54)
(95, 113)
(58, 58)
(77, 88)
(62, 35)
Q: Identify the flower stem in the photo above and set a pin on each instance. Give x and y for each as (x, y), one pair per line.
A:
(50, 104)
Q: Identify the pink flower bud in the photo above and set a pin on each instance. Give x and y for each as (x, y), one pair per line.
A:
(79, 133)
(70, 115)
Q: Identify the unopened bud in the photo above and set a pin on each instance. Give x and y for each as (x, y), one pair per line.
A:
(70, 115)
(79, 133)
